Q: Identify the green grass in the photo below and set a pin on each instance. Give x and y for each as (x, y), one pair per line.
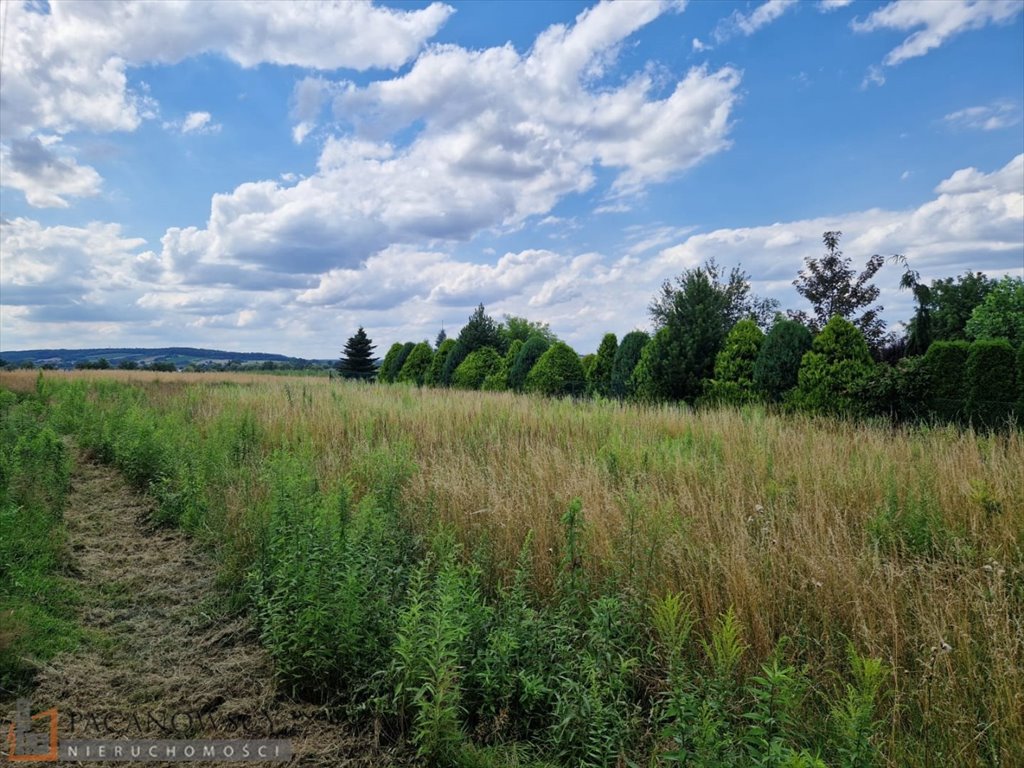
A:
(501, 580)
(36, 601)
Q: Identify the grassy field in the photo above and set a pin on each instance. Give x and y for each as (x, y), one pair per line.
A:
(594, 582)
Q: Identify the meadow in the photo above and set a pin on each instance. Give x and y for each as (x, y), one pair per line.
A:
(503, 579)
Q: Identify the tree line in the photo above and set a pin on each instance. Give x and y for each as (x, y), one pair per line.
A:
(960, 357)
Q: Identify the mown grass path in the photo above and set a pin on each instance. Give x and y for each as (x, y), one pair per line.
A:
(163, 658)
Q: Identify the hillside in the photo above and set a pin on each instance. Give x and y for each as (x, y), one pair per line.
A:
(179, 356)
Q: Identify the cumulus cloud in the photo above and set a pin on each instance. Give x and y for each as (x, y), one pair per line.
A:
(525, 131)
(199, 122)
(99, 281)
(991, 117)
(934, 22)
(45, 176)
(748, 23)
(832, 5)
(66, 69)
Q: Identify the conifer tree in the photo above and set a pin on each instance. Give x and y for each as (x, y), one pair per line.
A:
(357, 361)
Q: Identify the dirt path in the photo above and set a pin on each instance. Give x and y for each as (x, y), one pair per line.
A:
(158, 645)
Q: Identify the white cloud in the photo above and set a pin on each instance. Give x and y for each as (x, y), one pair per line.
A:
(905, 175)
(748, 23)
(525, 131)
(993, 117)
(96, 280)
(66, 69)
(935, 22)
(45, 176)
(832, 5)
(874, 76)
(199, 122)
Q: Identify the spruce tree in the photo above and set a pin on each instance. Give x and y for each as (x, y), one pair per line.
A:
(357, 361)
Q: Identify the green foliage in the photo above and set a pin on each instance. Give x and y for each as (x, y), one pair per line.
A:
(388, 369)
(652, 377)
(441, 611)
(1001, 314)
(853, 716)
(482, 331)
(475, 369)
(943, 368)
(438, 362)
(952, 301)
(692, 320)
(357, 358)
(835, 371)
(833, 288)
(528, 355)
(458, 352)
(734, 366)
(912, 527)
(416, 365)
(36, 620)
(557, 373)
(599, 378)
(328, 582)
(627, 356)
(520, 329)
(990, 377)
(777, 367)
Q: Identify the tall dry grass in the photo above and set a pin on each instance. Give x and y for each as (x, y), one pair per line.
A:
(905, 542)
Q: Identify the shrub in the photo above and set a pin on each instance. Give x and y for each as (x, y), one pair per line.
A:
(456, 355)
(477, 366)
(989, 375)
(734, 365)
(599, 379)
(388, 371)
(652, 377)
(529, 354)
(944, 365)
(778, 363)
(627, 356)
(836, 370)
(558, 372)
(417, 364)
(437, 363)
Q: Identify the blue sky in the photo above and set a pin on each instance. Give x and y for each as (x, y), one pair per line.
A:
(267, 177)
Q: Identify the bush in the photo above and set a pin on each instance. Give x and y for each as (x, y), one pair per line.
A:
(652, 377)
(437, 363)
(456, 355)
(627, 356)
(388, 371)
(529, 354)
(599, 379)
(834, 374)
(558, 372)
(944, 364)
(990, 379)
(477, 366)
(734, 365)
(417, 364)
(778, 363)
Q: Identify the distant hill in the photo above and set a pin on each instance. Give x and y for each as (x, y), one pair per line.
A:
(178, 356)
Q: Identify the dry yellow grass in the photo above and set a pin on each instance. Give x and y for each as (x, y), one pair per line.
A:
(770, 514)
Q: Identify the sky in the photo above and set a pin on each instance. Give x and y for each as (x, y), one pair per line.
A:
(268, 176)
